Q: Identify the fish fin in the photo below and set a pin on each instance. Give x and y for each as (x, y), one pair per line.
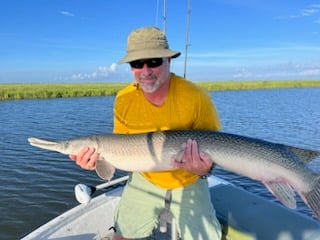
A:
(283, 192)
(305, 155)
(312, 198)
(104, 169)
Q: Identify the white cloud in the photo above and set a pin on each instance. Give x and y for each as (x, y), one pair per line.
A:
(242, 74)
(257, 56)
(309, 11)
(105, 71)
(66, 13)
(113, 67)
(275, 71)
(114, 72)
(310, 72)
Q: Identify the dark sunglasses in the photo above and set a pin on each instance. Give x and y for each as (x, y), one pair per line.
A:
(151, 63)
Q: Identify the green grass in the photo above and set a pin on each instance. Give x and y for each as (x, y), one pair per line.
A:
(41, 91)
(38, 91)
(231, 85)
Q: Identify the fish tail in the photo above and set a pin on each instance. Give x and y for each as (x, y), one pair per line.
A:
(312, 198)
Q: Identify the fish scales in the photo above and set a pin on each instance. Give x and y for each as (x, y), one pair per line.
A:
(279, 167)
(251, 150)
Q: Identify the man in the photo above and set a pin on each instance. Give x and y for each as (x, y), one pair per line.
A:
(160, 100)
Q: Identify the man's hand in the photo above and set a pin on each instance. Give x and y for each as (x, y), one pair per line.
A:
(86, 158)
(194, 161)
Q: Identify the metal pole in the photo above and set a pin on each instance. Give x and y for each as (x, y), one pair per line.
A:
(174, 231)
(187, 39)
(164, 16)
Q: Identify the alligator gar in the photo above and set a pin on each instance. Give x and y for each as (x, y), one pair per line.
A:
(282, 169)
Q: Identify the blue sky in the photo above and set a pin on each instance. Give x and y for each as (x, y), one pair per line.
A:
(82, 40)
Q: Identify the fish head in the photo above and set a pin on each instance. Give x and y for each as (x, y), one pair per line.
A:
(74, 146)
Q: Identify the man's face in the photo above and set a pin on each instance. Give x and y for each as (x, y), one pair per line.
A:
(149, 74)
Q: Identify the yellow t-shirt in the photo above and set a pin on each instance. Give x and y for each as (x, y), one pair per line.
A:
(186, 107)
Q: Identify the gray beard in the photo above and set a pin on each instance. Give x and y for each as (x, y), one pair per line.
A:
(150, 88)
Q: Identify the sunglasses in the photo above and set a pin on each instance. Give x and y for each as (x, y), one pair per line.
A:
(151, 63)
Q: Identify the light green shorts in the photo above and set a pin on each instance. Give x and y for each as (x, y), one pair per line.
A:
(141, 203)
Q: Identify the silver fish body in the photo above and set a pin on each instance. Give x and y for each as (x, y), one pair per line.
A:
(282, 169)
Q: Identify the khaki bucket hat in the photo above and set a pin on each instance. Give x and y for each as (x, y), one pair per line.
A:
(147, 42)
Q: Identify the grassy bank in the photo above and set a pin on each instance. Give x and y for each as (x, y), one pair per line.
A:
(231, 85)
(41, 91)
(64, 90)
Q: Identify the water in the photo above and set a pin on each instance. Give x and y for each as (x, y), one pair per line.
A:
(37, 185)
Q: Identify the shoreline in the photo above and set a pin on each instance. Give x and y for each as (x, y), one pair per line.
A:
(66, 90)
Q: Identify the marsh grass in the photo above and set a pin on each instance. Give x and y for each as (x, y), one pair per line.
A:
(42, 91)
(65, 90)
(232, 85)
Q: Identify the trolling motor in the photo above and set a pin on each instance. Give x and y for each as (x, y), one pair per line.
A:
(84, 192)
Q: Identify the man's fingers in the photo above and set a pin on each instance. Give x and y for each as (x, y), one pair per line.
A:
(205, 157)
(194, 151)
(93, 159)
(88, 154)
(73, 157)
(188, 156)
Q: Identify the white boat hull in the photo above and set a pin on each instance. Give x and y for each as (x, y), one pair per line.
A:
(244, 216)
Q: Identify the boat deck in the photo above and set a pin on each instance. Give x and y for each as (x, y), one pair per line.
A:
(244, 216)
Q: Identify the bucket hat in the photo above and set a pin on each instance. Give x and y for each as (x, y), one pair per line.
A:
(147, 42)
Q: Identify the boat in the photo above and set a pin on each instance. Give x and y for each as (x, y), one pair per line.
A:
(243, 216)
